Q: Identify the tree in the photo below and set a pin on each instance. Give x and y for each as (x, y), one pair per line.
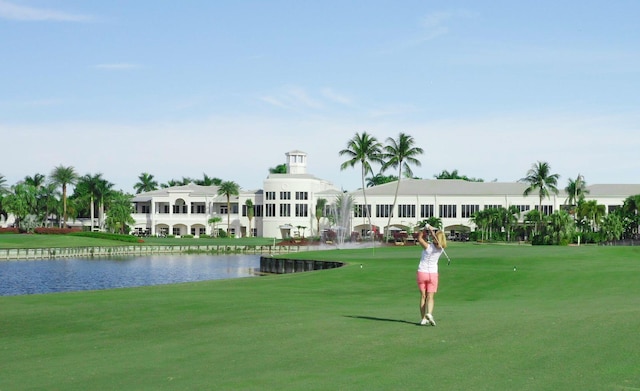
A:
(62, 177)
(250, 214)
(120, 210)
(562, 227)
(454, 175)
(37, 180)
(630, 208)
(320, 205)
(539, 178)
(380, 179)
(612, 227)
(214, 222)
(279, 169)
(228, 188)
(145, 183)
(576, 190)
(208, 181)
(400, 153)
(364, 149)
(21, 202)
(91, 189)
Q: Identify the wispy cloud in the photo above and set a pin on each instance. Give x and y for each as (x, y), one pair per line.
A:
(293, 97)
(23, 13)
(336, 97)
(122, 66)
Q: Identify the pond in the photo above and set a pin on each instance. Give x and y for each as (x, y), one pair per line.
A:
(68, 275)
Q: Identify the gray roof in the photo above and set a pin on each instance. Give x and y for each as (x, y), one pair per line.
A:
(190, 190)
(452, 187)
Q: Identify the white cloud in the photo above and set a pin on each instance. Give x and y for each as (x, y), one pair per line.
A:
(336, 97)
(19, 12)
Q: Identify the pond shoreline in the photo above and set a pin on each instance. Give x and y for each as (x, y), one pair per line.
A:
(19, 254)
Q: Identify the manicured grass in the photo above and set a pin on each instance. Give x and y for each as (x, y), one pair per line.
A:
(567, 319)
(51, 241)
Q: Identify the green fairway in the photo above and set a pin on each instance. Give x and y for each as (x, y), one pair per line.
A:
(567, 319)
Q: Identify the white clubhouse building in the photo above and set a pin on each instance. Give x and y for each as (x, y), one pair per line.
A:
(286, 206)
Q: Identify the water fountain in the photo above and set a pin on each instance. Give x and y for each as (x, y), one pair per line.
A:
(339, 215)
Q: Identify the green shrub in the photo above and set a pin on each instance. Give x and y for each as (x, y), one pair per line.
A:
(108, 236)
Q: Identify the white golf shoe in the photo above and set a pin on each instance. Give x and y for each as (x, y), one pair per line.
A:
(431, 320)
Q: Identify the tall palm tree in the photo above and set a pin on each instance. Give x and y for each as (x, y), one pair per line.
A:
(104, 194)
(145, 183)
(539, 178)
(320, 205)
(89, 187)
(576, 190)
(400, 153)
(63, 176)
(228, 188)
(250, 214)
(364, 149)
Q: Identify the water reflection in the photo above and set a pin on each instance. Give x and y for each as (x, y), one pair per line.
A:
(67, 275)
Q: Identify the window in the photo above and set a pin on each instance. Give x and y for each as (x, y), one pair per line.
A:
(469, 210)
(546, 209)
(146, 208)
(612, 208)
(234, 209)
(223, 210)
(258, 210)
(245, 210)
(448, 211)
(197, 208)
(270, 195)
(176, 231)
(407, 211)
(302, 195)
(285, 210)
(522, 208)
(493, 206)
(383, 210)
(302, 210)
(426, 211)
(285, 195)
(360, 211)
(270, 210)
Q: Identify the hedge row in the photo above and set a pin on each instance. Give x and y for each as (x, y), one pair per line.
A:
(55, 230)
(9, 231)
(108, 236)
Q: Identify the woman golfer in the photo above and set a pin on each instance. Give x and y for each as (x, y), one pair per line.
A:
(427, 276)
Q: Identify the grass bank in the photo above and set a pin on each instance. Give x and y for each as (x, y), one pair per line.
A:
(566, 319)
(57, 241)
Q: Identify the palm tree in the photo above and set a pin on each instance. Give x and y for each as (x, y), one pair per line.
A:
(279, 169)
(576, 190)
(539, 178)
(120, 210)
(400, 153)
(214, 222)
(380, 179)
(208, 181)
(63, 176)
(228, 188)
(320, 205)
(3, 185)
(630, 207)
(364, 149)
(454, 175)
(145, 183)
(90, 187)
(250, 214)
(37, 180)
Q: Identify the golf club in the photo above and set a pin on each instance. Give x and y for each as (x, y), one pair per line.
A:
(448, 259)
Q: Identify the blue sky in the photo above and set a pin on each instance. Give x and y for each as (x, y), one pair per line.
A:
(226, 88)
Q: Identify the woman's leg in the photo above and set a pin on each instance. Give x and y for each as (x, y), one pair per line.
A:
(430, 302)
(423, 305)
